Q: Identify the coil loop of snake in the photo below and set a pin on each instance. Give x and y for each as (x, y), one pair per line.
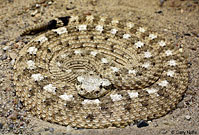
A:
(98, 72)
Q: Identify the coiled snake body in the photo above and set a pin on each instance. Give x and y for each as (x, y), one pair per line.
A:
(98, 72)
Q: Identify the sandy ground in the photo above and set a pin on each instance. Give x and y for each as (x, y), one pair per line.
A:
(177, 20)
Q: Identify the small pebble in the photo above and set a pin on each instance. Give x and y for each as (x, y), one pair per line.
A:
(166, 123)
(50, 2)
(155, 124)
(69, 128)
(13, 55)
(165, 30)
(189, 5)
(15, 46)
(13, 116)
(4, 42)
(189, 64)
(4, 57)
(70, 7)
(37, 5)
(46, 129)
(180, 105)
(68, 133)
(51, 129)
(163, 131)
(159, 12)
(187, 117)
(196, 2)
(18, 39)
(6, 48)
(142, 123)
(12, 62)
(186, 53)
(19, 105)
(195, 33)
(34, 13)
(38, 15)
(187, 34)
(1, 125)
(11, 126)
(161, 2)
(1, 52)
(22, 127)
(10, 1)
(93, 2)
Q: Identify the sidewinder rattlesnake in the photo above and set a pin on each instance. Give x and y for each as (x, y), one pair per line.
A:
(99, 72)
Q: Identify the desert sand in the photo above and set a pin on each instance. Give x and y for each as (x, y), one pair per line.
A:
(177, 20)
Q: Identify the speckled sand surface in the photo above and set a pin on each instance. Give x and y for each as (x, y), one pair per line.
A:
(178, 20)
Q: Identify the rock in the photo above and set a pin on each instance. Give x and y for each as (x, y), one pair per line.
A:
(10, 44)
(189, 64)
(180, 105)
(165, 30)
(1, 125)
(69, 128)
(93, 2)
(10, 1)
(38, 15)
(186, 53)
(46, 129)
(37, 5)
(13, 116)
(4, 57)
(18, 39)
(196, 2)
(1, 52)
(68, 133)
(70, 7)
(50, 2)
(166, 123)
(12, 62)
(142, 123)
(34, 13)
(13, 55)
(6, 48)
(163, 131)
(159, 12)
(11, 126)
(187, 34)
(195, 33)
(187, 117)
(155, 124)
(51, 130)
(161, 2)
(16, 46)
(4, 42)
(132, 124)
